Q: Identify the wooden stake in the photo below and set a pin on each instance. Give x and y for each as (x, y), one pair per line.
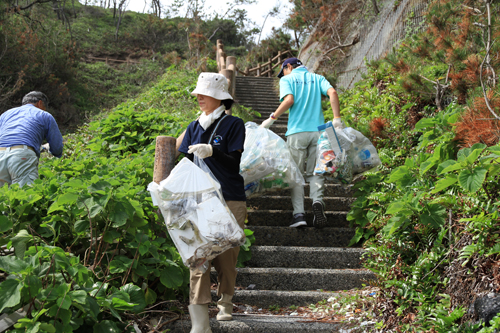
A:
(165, 154)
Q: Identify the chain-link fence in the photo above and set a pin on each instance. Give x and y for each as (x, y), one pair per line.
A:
(396, 21)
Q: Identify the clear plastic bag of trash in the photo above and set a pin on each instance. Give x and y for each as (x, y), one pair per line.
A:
(266, 163)
(195, 213)
(363, 153)
(333, 164)
(343, 153)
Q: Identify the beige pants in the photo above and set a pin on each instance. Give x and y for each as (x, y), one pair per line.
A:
(225, 265)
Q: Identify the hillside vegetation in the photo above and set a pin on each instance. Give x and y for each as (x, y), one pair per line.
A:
(429, 218)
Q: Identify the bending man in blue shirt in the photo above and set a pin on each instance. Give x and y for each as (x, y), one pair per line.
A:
(300, 91)
(22, 131)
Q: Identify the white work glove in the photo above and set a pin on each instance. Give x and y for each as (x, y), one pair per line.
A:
(338, 123)
(267, 123)
(202, 150)
(45, 147)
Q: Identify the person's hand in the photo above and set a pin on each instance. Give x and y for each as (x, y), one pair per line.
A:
(45, 147)
(202, 150)
(267, 123)
(338, 123)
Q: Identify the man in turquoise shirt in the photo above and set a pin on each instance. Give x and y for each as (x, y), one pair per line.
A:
(301, 91)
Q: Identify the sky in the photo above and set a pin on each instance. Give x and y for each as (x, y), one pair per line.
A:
(256, 12)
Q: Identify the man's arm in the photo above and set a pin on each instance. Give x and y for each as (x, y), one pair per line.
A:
(285, 105)
(334, 102)
(54, 138)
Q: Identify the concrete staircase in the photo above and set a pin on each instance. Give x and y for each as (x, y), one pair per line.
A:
(290, 266)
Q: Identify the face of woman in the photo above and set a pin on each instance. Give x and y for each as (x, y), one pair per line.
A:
(207, 104)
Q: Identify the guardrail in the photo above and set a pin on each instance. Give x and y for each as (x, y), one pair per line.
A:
(266, 69)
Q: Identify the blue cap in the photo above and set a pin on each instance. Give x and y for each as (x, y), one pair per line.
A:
(290, 61)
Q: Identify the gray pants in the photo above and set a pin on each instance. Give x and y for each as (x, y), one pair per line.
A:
(302, 147)
(18, 166)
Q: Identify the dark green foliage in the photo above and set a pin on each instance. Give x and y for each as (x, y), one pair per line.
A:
(90, 250)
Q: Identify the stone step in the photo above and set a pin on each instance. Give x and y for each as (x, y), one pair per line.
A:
(305, 257)
(251, 89)
(282, 218)
(331, 190)
(311, 237)
(266, 298)
(301, 279)
(263, 99)
(285, 203)
(260, 323)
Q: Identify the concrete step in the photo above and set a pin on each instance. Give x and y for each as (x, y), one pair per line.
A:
(331, 190)
(252, 89)
(301, 279)
(266, 298)
(282, 218)
(285, 203)
(305, 257)
(311, 237)
(259, 324)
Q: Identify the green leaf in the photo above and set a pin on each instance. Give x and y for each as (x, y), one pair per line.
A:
(79, 296)
(444, 183)
(395, 207)
(474, 155)
(121, 305)
(64, 302)
(33, 283)
(19, 242)
(434, 215)
(136, 296)
(12, 264)
(121, 211)
(472, 180)
(444, 165)
(106, 326)
(5, 223)
(67, 199)
(111, 235)
(10, 293)
(120, 265)
(150, 296)
(82, 226)
(425, 123)
(171, 277)
(100, 187)
(49, 328)
(451, 167)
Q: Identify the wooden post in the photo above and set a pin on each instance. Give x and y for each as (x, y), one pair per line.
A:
(279, 57)
(258, 70)
(246, 71)
(165, 153)
(270, 68)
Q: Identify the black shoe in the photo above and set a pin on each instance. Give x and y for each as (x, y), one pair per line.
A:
(319, 220)
(298, 221)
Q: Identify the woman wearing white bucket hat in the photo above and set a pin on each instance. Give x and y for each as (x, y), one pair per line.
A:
(218, 138)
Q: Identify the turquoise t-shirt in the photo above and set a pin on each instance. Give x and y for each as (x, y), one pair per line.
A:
(306, 113)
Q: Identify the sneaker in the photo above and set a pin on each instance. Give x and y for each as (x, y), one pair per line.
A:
(298, 221)
(319, 220)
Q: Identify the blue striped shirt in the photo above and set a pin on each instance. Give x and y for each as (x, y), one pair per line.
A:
(29, 125)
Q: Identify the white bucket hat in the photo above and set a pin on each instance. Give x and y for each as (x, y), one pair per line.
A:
(213, 85)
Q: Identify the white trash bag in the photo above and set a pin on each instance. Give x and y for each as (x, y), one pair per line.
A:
(195, 213)
(266, 163)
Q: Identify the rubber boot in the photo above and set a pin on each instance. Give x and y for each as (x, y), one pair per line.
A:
(199, 318)
(225, 306)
